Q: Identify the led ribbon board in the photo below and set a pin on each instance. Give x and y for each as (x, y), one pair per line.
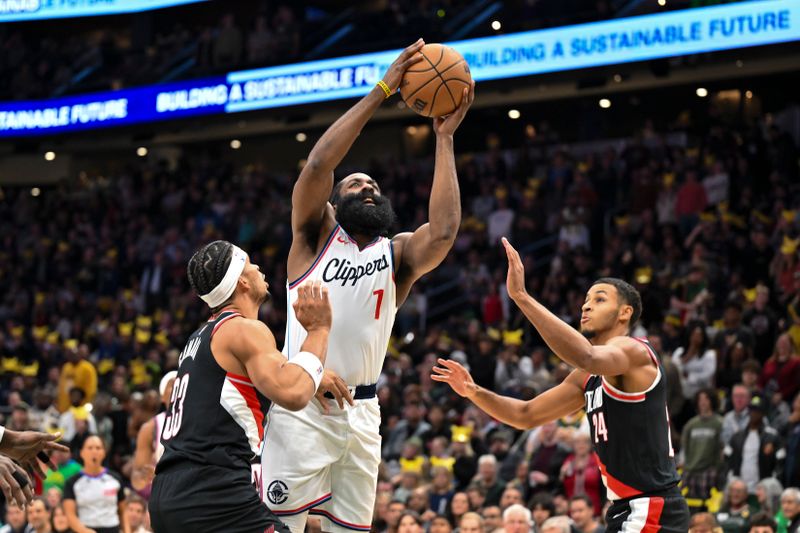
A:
(596, 44)
(19, 10)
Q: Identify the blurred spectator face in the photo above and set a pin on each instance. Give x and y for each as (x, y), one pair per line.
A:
(548, 432)
(749, 380)
(740, 398)
(135, 513)
(439, 447)
(14, 399)
(393, 514)
(38, 515)
(410, 480)
(15, 517)
(561, 504)
(418, 500)
(540, 514)
(581, 444)
(76, 397)
(737, 493)
(790, 506)
(487, 470)
(436, 416)
(441, 478)
(761, 529)
(412, 413)
(53, 497)
(408, 525)
(580, 513)
(703, 404)
(783, 348)
(440, 524)
(515, 522)
(702, 523)
(43, 399)
(20, 417)
(471, 523)
(510, 496)
(459, 504)
(476, 497)
(60, 521)
(492, 518)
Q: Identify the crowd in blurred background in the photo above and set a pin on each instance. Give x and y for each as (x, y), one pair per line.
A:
(703, 219)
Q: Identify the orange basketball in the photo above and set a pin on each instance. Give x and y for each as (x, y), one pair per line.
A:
(435, 86)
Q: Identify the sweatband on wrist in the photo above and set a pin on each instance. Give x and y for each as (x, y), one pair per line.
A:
(311, 364)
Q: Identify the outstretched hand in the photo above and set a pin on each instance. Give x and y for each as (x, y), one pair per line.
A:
(455, 375)
(397, 70)
(30, 447)
(515, 281)
(448, 125)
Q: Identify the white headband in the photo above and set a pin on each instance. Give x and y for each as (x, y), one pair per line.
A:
(223, 291)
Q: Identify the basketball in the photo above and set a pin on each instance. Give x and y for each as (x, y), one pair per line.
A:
(435, 86)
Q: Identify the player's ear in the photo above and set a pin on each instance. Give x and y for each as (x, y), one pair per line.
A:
(626, 312)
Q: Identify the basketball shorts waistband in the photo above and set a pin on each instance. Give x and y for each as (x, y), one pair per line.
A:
(360, 392)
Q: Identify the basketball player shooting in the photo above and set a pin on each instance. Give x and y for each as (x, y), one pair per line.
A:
(228, 372)
(324, 459)
(620, 382)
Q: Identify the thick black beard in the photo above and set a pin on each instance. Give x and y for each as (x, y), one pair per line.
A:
(358, 218)
(589, 334)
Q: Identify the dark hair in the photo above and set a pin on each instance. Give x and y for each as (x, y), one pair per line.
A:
(336, 194)
(207, 267)
(543, 500)
(583, 498)
(412, 514)
(628, 294)
(762, 519)
(712, 397)
(695, 324)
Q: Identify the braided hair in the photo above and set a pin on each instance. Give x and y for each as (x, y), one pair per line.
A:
(207, 267)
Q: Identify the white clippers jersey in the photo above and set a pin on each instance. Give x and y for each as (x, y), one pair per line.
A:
(362, 294)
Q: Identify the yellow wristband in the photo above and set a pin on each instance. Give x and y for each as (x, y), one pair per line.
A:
(386, 89)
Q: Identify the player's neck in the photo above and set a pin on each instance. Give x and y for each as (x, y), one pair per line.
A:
(602, 338)
(361, 240)
(244, 306)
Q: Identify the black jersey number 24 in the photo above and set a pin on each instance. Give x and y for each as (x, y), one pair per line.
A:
(172, 422)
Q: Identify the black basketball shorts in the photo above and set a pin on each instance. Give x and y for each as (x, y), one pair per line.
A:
(665, 512)
(209, 499)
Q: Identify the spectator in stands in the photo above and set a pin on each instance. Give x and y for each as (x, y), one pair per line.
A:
(511, 495)
(410, 522)
(547, 458)
(393, 513)
(39, 516)
(756, 452)
(739, 418)
(492, 517)
(581, 511)
(136, 510)
(580, 473)
(542, 508)
(471, 523)
(556, 524)
(690, 202)
(77, 372)
(59, 522)
(441, 490)
(704, 523)
(696, 361)
(440, 524)
(789, 516)
(782, 370)
(16, 521)
(762, 523)
(735, 510)
(228, 44)
(516, 519)
(412, 425)
(701, 448)
(488, 480)
(768, 495)
(459, 506)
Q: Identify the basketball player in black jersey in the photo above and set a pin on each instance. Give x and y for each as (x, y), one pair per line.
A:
(619, 380)
(228, 372)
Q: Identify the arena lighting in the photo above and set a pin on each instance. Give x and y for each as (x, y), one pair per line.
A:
(702, 92)
(662, 3)
(617, 78)
(610, 42)
(301, 137)
(605, 103)
(236, 144)
(49, 156)
(749, 95)
(39, 10)
(36, 191)
(496, 25)
(141, 151)
(513, 114)
(411, 130)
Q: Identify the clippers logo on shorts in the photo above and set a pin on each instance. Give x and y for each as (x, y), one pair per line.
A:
(341, 270)
(277, 492)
